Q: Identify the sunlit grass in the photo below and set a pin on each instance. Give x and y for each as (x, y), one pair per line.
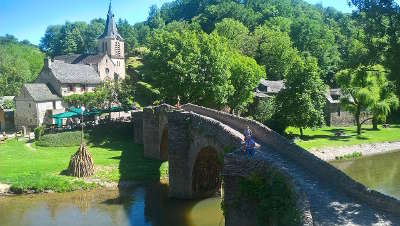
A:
(326, 136)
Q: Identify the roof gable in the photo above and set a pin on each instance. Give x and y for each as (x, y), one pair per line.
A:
(39, 92)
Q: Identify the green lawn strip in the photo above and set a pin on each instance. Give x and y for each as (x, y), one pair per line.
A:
(325, 136)
(116, 159)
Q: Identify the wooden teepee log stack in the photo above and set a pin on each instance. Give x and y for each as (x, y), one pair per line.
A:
(81, 163)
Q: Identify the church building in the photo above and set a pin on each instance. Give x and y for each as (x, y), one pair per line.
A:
(71, 74)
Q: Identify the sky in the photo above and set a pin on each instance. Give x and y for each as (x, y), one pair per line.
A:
(28, 19)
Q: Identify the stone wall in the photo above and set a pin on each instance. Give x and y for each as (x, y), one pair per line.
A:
(188, 134)
(25, 114)
(241, 212)
(137, 117)
(313, 164)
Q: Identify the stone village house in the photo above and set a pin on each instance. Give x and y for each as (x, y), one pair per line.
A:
(71, 74)
(334, 115)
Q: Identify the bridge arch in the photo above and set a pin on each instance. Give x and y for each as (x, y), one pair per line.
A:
(206, 172)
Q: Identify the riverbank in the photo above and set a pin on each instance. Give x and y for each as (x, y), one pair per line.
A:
(332, 153)
(118, 162)
(332, 137)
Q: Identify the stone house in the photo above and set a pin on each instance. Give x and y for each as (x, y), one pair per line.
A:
(334, 115)
(6, 115)
(35, 104)
(67, 79)
(71, 74)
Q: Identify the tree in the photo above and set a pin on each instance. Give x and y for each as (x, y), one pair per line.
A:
(19, 64)
(275, 51)
(237, 34)
(366, 93)
(301, 102)
(184, 61)
(155, 20)
(245, 76)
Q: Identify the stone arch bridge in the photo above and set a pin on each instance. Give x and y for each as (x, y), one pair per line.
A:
(202, 144)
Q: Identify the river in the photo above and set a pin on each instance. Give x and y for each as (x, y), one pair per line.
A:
(379, 172)
(146, 205)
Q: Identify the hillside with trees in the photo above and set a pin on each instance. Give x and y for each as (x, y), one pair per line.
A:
(20, 62)
(213, 52)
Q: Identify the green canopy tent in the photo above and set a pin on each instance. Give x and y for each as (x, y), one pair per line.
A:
(77, 112)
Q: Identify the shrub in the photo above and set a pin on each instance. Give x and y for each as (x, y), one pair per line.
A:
(275, 200)
(39, 131)
(66, 139)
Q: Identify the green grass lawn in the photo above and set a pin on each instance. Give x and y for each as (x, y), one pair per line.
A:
(115, 156)
(325, 136)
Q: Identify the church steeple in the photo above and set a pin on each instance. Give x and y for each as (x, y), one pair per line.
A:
(111, 30)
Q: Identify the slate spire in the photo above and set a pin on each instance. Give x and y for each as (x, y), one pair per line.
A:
(111, 30)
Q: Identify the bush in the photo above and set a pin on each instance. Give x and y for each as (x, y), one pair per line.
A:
(66, 139)
(39, 131)
(275, 200)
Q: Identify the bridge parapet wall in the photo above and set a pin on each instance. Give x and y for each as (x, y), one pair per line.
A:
(238, 166)
(313, 164)
(188, 134)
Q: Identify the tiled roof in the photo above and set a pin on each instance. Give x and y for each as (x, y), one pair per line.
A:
(74, 73)
(80, 58)
(272, 86)
(40, 92)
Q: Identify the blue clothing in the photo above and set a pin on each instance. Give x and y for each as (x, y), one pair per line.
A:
(250, 146)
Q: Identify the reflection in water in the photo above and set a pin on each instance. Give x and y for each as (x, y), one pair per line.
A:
(142, 206)
(379, 172)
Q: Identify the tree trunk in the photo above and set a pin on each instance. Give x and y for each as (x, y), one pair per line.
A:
(357, 118)
(374, 123)
(301, 132)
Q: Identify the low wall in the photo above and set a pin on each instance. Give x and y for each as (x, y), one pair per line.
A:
(237, 166)
(313, 164)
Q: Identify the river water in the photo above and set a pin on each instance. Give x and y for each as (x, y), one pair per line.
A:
(379, 172)
(146, 205)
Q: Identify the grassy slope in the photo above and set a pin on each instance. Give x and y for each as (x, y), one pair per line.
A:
(115, 155)
(325, 137)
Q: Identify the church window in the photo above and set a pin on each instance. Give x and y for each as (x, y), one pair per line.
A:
(118, 48)
(107, 71)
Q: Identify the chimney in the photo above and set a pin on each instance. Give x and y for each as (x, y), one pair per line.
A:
(47, 62)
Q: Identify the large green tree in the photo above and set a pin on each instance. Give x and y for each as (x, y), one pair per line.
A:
(367, 93)
(245, 76)
(301, 102)
(183, 61)
(275, 51)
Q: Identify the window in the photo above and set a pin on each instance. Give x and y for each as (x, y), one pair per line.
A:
(118, 48)
(107, 71)
(29, 105)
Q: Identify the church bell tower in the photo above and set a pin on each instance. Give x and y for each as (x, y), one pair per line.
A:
(112, 44)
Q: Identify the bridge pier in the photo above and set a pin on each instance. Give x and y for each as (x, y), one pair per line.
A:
(155, 132)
